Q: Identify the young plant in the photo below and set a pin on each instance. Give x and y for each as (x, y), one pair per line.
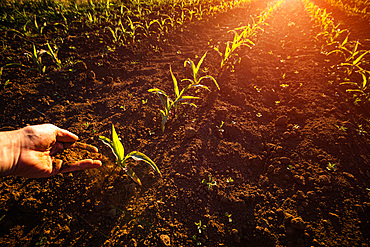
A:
(210, 183)
(54, 56)
(117, 35)
(7, 65)
(121, 160)
(229, 217)
(146, 27)
(200, 227)
(331, 167)
(195, 70)
(229, 57)
(169, 104)
(220, 127)
(35, 55)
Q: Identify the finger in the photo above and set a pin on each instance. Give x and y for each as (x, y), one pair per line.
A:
(81, 165)
(81, 145)
(57, 164)
(65, 136)
(55, 148)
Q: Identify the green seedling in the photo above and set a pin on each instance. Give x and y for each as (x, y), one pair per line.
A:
(54, 55)
(35, 55)
(2, 69)
(289, 167)
(181, 20)
(121, 160)
(117, 35)
(331, 167)
(342, 128)
(229, 180)
(229, 217)
(360, 130)
(355, 61)
(200, 227)
(209, 183)
(146, 27)
(37, 27)
(42, 241)
(196, 239)
(195, 70)
(169, 104)
(220, 127)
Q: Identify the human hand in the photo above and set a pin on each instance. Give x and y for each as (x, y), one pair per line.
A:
(38, 145)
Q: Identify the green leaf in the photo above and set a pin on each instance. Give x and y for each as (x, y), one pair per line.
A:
(198, 66)
(201, 86)
(161, 94)
(142, 157)
(360, 57)
(117, 146)
(110, 144)
(176, 87)
(164, 120)
(211, 78)
(106, 141)
(188, 98)
(188, 103)
(132, 174)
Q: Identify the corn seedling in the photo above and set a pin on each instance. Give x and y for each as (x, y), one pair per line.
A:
(54, 56)
(121, 160)
(37, 27)
(354, 61)
(360, 130)
(195, 70)
(196, 239)
(229, 57)
(7, 65)
(181, 20)
(210, 183)
(169, 104)
(146, 27)
(360, 88)
(228, 217)
(220, 126)
(118, 35)
(200, 227)
(35, 55)
(331, 167)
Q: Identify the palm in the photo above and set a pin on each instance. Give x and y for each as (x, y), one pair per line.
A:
(40, 143)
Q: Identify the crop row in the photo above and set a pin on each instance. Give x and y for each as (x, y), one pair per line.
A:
(351, 60)
(181, 97)
(35, 21)
(243, 36)
(33, 18)
(352, 7)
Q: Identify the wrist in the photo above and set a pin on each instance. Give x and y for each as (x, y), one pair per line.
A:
(10, 148)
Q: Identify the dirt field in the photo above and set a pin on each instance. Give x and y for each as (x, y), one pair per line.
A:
(285, 121)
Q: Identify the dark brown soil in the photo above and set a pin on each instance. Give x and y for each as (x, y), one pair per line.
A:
(284, 122)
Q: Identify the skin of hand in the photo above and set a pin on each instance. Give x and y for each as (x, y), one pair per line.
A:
(32, 149)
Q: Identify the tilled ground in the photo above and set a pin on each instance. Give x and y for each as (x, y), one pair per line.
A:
(283, 124)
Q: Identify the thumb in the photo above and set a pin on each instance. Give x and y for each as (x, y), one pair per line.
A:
(63, 135)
